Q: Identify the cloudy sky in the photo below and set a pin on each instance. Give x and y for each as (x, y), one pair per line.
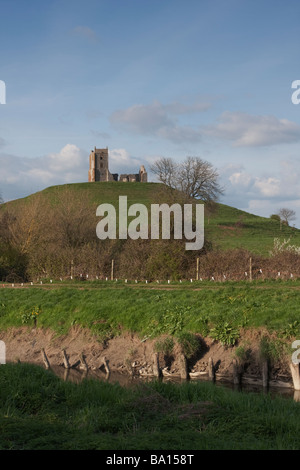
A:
(152, 78)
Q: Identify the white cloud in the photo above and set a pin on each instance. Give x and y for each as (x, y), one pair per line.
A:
(142, 119)
(268, 187)
(20, 177)
(246, 130)
(240, 179)
(69, 157)
(176, 107)
(120, 161)
(263, 194)
(179, 134)
(121, 156)
(159, 120)
(263, 187)
(242, 129)
(37, 174)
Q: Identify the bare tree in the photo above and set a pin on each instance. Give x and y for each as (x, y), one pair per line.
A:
(196, 178)
(72, 218)
(286, 215)
(21, 225)
(165, 169)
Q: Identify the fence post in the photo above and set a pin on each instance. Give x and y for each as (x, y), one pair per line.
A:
(112, 270)
(250, 269)
(197, 271)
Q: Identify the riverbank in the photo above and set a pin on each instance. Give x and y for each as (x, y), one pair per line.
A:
(128, 354)
(218, 329)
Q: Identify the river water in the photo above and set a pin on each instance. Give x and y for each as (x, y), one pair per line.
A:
(126, 380)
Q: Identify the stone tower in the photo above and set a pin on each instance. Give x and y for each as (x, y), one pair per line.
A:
(143, 175)
(98, 170)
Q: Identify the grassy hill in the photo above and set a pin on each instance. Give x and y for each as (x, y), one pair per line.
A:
(232, 228)
(227, 227)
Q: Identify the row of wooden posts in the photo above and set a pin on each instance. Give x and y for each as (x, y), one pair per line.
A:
(236, 372)
(81, 363)
(184, 371)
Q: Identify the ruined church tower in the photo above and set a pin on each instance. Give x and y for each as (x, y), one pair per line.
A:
(98, 170)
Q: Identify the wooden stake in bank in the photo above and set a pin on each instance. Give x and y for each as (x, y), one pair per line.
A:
(45, 359)
(250, 269)
(211, 370)
(156, 369)
(235, 372)
(105, 363)
(184, 371)
(83, 365)
(65, 359)
(265, 374)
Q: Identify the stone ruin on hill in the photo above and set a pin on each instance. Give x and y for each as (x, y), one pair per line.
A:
(99, 170)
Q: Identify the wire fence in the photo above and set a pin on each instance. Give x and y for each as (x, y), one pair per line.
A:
(256, 274)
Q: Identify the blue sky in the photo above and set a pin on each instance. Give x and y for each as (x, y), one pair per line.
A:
(149, 79)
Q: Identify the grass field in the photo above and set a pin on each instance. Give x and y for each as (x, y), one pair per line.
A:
(39, 411)
(105, 307)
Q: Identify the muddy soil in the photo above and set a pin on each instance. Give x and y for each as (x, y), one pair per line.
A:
(129, 354)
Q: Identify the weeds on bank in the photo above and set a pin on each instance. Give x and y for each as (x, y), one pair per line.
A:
(226, 334)
(272, 349)
(31, 315)
(219, 312)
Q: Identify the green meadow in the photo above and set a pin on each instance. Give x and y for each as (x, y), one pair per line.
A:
(152, 310)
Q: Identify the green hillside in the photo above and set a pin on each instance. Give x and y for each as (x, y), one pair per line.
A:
(227, 227)
(232, 228)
